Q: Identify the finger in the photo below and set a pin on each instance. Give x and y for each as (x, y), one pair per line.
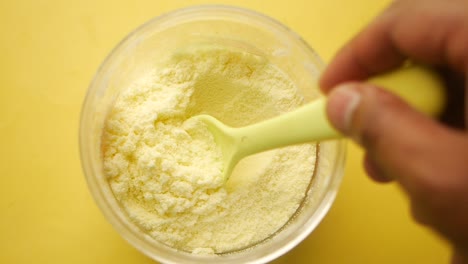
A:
(373, 170)
(428, 160)
(435, 33)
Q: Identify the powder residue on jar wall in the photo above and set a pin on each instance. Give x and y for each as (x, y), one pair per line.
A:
(165, 169)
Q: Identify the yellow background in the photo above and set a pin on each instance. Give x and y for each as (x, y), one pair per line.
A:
(49, 51)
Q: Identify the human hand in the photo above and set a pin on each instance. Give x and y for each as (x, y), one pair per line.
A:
(428, 158)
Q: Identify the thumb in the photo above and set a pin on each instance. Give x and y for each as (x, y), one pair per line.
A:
(393, 133)
(369, 114)
(428, 159)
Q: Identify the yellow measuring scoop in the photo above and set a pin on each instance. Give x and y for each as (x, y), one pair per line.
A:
(420, 86)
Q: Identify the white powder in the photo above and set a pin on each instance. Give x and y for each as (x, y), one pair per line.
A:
(166, 171)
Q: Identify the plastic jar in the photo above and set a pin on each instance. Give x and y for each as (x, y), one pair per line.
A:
(230, 27)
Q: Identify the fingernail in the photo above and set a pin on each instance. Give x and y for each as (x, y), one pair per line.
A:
(342, 104)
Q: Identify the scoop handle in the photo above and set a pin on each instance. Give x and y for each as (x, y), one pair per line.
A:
(420, 86)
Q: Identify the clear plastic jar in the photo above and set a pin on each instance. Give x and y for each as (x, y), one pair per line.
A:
(230, 27)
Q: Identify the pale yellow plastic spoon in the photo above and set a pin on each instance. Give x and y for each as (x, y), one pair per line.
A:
(419, 86)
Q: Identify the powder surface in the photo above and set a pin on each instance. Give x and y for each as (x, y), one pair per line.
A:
(165, 169)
